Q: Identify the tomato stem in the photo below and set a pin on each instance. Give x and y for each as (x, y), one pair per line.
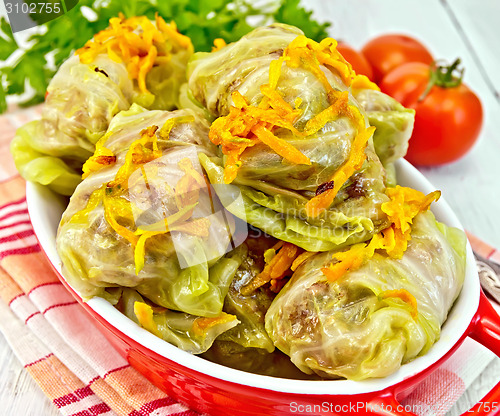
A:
(444, 76)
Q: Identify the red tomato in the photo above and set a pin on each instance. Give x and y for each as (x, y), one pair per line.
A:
(356, 59)
(386, 52)
(448, 117)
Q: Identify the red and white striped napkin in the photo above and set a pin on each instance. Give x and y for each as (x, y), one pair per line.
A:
(57, 341)
(77, 368)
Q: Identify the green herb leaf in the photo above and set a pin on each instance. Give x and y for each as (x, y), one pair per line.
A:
(7, 42)
(291, 13)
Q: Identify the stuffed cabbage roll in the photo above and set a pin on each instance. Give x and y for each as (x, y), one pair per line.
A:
(247, 346)
(292, 138)
(144, 217)
(132, 61)
(372, 318)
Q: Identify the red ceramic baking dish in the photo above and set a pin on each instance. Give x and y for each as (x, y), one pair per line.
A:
(217, 390)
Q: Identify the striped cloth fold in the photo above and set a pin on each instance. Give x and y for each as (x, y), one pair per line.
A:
(73, 363)
(56, 339)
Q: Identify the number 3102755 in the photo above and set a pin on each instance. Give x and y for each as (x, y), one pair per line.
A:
(33, 8)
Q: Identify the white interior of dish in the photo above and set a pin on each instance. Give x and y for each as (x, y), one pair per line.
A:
(45, 209)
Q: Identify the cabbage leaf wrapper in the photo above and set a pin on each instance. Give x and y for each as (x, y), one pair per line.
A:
(132, 61)
(194, 334)
(249, 309)
(144, 217)
(393, 122)
(304, 159)
(371, 320)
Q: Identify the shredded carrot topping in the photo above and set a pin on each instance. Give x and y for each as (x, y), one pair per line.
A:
(277, 284)
(246, 125)
(354, 258)
(351, 259)
(138, 43)
(101, 158)
(144, 314)
(356, 158)
(278, 263)
(140, 152)
(361, 82)
(274, 248)
(331, 113)
(405, 296)
(202, 325)
(219, 43)
(310, 55)
(280, 146)
(404, 205)
(301, 258)
(281, 262)
(306, 53)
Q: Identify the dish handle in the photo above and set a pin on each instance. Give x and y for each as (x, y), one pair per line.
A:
(485, 329)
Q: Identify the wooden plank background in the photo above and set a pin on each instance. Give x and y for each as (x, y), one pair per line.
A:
(470, 185)
(450, 28)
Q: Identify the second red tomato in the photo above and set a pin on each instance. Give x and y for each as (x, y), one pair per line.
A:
(386, 52)
(448, 116)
